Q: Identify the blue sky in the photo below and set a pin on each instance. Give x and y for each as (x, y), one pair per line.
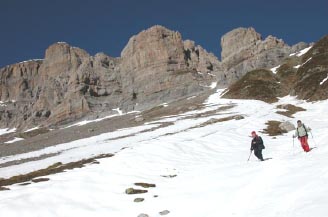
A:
(28, 27)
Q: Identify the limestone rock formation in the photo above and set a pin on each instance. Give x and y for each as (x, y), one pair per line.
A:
(199, 59)
(243, 50)
(78, 83)
(70, 84)
(304, 75)
(237, 40)
(18, 89)
(157, 68)
(63, 87)
(299, 46)
(59, 93)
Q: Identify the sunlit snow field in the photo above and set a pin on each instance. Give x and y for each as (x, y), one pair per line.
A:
(198, 172)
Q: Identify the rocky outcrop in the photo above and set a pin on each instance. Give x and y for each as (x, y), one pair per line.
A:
(156, 67)
(59, 94)
(18, 89)
(17, 80)
(199, 59)
(243, 50)
(238, 40)
(68, 84)
(299, 46)
(303, 74)
(78, 84)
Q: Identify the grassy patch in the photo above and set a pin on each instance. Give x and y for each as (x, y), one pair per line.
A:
(273, 128)
(145, 185)
(33, 133)
(313, 71)
(53, 169)
(258, 84)
(209, 113)
(214, 120)
(291, 109)
(40, 180)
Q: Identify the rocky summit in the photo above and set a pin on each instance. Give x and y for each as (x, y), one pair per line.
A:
(156, 66)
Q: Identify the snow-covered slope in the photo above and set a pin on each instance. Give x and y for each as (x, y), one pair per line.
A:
(199, 170)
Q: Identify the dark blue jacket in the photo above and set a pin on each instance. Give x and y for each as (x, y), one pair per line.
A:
(257, 143)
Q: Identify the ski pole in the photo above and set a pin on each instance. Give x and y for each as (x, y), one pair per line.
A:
(250, 155)
(293, 146)
(313, 139)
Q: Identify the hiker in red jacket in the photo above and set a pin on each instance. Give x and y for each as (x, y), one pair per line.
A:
(302, 134)
(257, 146)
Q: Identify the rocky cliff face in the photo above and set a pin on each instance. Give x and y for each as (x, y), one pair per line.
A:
(80, 83)
(243, 50)
(65, 86)
(156, 66)
(18, 90)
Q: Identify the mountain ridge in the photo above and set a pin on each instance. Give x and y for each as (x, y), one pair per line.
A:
(70, 84)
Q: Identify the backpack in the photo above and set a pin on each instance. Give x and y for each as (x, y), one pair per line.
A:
(306, 133)
(262, 142)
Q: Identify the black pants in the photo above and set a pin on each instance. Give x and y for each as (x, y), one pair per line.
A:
(258, 154)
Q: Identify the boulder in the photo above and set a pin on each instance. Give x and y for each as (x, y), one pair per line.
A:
(287, 126)
(138, 200)
(135, 191)
(143, 215)
(164, 212)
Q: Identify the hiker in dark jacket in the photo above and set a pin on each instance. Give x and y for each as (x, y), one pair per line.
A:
(302, 134)
(257, 146)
